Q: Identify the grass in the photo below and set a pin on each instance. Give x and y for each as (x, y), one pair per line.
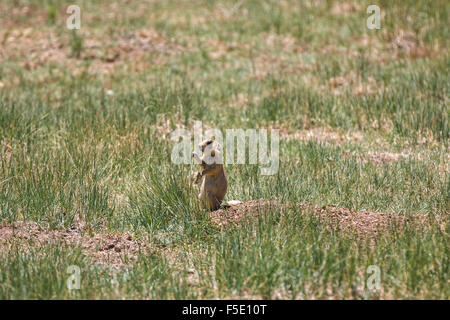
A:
(151, 277)
(86, 139)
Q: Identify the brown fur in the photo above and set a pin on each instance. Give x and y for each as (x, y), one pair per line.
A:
(214, 184)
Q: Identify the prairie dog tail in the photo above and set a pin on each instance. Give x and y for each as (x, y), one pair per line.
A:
(230, 203)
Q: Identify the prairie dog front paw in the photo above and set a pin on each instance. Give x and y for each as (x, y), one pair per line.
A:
(196, 157)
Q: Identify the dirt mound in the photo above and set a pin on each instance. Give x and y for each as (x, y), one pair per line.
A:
(111, 248)
(364, 223)
(103, 248)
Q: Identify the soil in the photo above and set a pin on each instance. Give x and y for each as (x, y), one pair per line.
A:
(363, 223)
(110, 248)
(103, 248)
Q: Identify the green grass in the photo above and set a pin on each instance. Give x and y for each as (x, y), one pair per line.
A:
(69, 150)
(44, 273)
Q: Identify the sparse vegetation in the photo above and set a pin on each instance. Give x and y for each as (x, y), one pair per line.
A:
(85, 120)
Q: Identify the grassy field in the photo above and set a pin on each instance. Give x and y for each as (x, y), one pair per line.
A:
(85, 121)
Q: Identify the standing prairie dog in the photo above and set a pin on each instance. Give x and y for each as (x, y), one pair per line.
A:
(214, 184)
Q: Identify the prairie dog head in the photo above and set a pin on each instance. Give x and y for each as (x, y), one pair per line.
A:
(212, 152)
(210, 144)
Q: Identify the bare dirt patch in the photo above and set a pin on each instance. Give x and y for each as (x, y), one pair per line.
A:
(390, 47)
(366, 224)
(103, 248)
(378, 158)
(34, 48)
(29, 15)
(341, 8)
(320, 134)
(148, 40)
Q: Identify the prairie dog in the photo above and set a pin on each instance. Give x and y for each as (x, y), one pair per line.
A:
(214, 184)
